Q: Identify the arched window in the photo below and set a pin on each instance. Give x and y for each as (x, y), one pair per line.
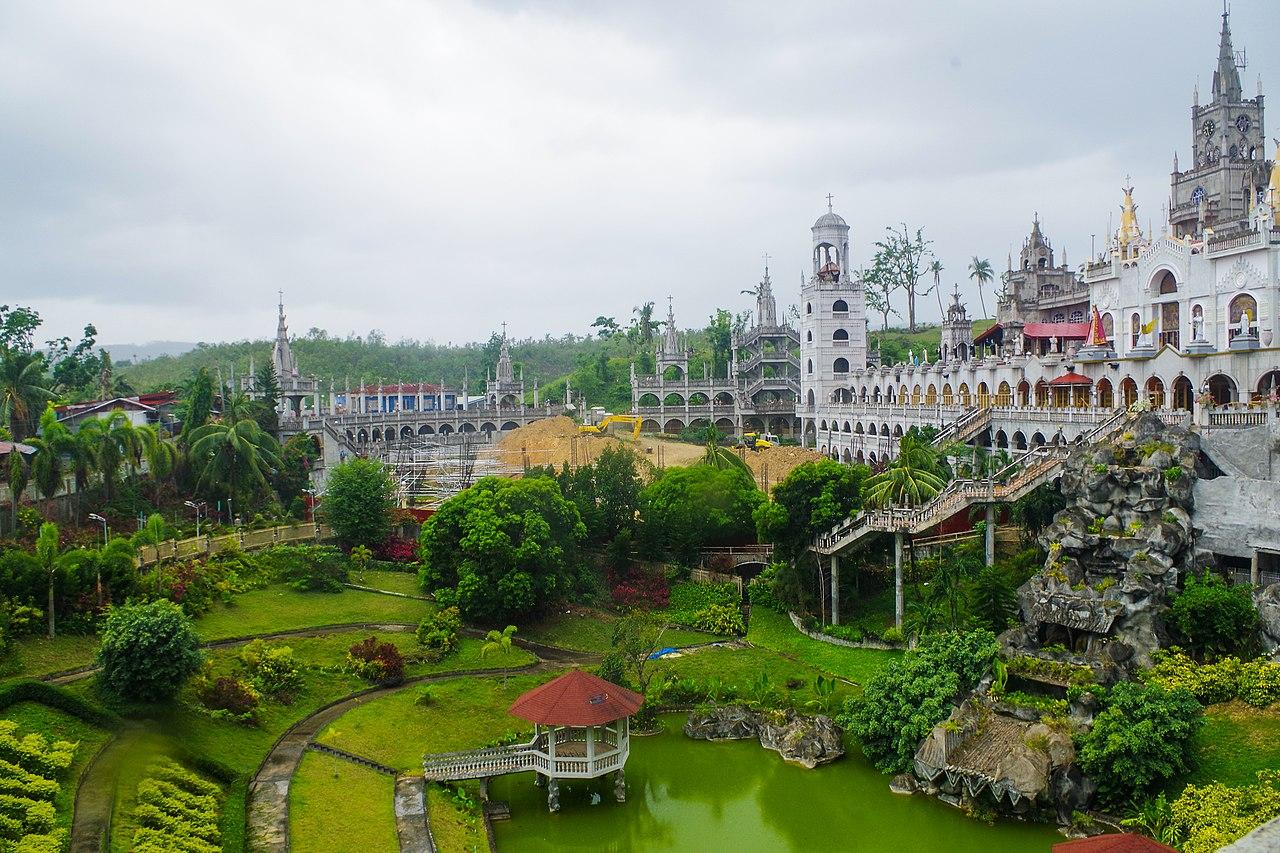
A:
(1106, 397)
(1243, 305)
(1168, 284)
(840, 336)
(1043, 263)
(1135, 330)
(1004, 395)
(808, 308)
(810, 366)
(1059, 317)
(1076, 317)
(1155, 392)
(841, 365)
(1128, 391)
(840, 307)
(1109, 327)
(808, 336)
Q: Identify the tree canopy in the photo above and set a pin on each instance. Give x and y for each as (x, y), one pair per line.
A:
(358, 498)
(686, 509)
(812, 498)
(148, 651)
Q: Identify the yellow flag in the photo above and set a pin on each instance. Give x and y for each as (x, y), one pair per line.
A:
(1148, 328)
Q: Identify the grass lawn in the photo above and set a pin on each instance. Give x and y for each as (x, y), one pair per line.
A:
(281, 608)
(1236, 742)
(592, 631)
(403, 582)
(339, 807)
(56, 725)
(456, 830)
(740, 668)
(35, 656)
(775, 632)
(464, 713)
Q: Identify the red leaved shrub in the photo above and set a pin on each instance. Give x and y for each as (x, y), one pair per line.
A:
(380, 663)
(641, 588)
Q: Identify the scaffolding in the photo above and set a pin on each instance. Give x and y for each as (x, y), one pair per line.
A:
(430, 469)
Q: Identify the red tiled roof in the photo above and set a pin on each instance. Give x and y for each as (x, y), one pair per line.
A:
(1056, 330)
(7, 447)
(988, 332)
(1071, 378)
(1126, 842)
(577, 698)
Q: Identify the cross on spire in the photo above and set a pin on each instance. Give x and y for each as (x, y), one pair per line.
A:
(504, 330)
(830, 209)
(766, 263)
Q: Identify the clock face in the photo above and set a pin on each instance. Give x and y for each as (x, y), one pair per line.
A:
(1208, 128)
(1242, 124)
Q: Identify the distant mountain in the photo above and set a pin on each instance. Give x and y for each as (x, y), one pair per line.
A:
(142, 352)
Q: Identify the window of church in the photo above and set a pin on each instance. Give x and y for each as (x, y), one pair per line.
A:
(1059, 317)
(810, 366)
(841, 365)
(808, 308)
(1168, 284)
(808, 336)
(840, 336)
(1077, 316)
(840, 307)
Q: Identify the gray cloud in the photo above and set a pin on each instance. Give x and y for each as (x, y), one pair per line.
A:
(433, 169)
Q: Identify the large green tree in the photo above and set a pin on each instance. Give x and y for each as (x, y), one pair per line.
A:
(901, 258)
(686, 509)
(24, 391)
(116, 444)
(358, 498)
(813, 497)
(233, 457)
(148, 651)
(505, 548)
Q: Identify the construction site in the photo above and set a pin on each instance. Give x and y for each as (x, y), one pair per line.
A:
(430, 469)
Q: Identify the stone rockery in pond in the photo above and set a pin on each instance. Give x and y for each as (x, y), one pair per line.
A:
(1115, 553)
(803, 739)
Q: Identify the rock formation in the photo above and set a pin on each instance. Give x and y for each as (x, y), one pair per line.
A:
(800, 738)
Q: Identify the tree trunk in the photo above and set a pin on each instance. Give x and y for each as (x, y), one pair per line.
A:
(911, 309)
(897, 580)
(51, 626)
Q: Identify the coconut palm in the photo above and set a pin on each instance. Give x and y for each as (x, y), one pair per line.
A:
(161, 456)
(980, 271)
(910, 480)
(52, 445)
(717, 456)
(116, 443)
(935, 267)
(233, 454)
(23, 390)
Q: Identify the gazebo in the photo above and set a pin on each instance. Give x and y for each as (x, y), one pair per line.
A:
(581, 730)
(1123, 842)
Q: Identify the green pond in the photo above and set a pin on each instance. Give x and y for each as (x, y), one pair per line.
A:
(735, 796)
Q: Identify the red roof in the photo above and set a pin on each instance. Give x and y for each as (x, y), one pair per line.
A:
(1056, 330)
(577, 698)
(7, 447)
(1071, 378)
(988, 332)
(1125, 842)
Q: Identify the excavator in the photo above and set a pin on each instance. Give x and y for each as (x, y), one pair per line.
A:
(756, 441)
(603, 427)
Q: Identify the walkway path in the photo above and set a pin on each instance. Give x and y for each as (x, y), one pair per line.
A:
(95, 797)
(412, 826)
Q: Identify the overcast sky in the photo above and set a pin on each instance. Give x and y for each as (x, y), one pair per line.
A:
(432, 169)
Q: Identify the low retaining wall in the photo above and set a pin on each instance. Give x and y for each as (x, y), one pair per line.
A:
(836, 641)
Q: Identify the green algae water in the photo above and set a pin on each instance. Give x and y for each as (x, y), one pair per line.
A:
(697, 796)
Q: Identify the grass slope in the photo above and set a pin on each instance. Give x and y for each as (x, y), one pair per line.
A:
(281, 608)
(339, 807)
(36, 656)
(775, 632)
(593, 632)
(1236, 742)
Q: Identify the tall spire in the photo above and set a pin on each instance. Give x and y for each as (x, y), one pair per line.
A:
(505, 373)
(670, 337)
(1226, 79)
(766, 305)
(281, 354)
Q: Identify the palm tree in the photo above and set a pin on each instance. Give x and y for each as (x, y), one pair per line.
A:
(116, 442)
(48, 554)
(153, 533)
(161, 455)
(936, 268)
(910, 480)
(498, 642)
(720, 457)
(233, 453)
(19, 475)
(644, 324)
(53, 443)
(23, 390)
(980, 271)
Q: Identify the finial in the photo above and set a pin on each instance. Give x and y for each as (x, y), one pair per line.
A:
(504, 330)
(766, 264)
(830, 209)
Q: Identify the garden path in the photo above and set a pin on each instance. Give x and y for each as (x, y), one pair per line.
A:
(95, 797)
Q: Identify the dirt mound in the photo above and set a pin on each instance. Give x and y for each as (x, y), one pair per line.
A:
(772, 464)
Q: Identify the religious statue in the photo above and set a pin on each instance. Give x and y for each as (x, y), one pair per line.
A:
(1197, 327)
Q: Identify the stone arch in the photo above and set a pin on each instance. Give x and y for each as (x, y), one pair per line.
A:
(1002, 440)
(673, 399)
(673, 426)
(840, 307)
(362, 437)
(1183, 394)
(808, 337)
(648, 399)
(931, 395)
(840, 365)
(426, 429)
(884, 430)
(376, 435)
(488, 426)
(723, 398)
(846, 427)
(725, 425)
(1019, 440)
(964, 395)
(871, 458)
(858, 429)
(823, 425)
(810, 398)
(1155, 392)
(467, 427)
(863, 394)
(984, 396)
(1004, 395)
(509, 401)
(948, 396)
(1237, 308)
(351, 437)
(1042, 394)
(1164, 281)
(1269, 385)
(507, 426)
(1223, 389)
(1024, 393)
(1037, 440)
(904, 396)
(699, 423)
(840, 336)
(650, 425)
(897, 430)
(697, 398)
(446, 429)
(846, 456)
(406, 432)
(1105, 393)
(916, 395)
(861, 458)
(1128, 391)
(809, 366)
(673, 373)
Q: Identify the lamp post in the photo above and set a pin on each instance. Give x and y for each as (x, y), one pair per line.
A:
(93, 516)
(200, 511)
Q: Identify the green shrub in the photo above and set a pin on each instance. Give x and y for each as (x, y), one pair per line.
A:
(893, 635)
(1206, 818)
(1259, 682)
(1035, 702)
(719, 619)
(31, 690)
(148, 651)
(438, 633)
(229, 698)
(687, 599)
(380, 663)
(762, 593)
(271, 670)
(1214, 618)
(34, 753)
(1143, 737)
(1173, 473)
(176, 811)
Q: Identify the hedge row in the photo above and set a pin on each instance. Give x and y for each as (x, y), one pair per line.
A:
(177, 810)
(29, 768)
(30, 690)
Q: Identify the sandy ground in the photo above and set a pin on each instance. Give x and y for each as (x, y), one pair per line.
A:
(555, 441)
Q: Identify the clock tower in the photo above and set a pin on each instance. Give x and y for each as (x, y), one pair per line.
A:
(1228, 168)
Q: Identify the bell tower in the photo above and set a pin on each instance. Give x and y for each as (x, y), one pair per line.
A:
(833, 315)
(1229, 172)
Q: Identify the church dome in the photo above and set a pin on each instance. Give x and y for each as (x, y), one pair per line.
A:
(828, 220)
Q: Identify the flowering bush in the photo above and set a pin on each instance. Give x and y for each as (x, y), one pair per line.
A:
(380, 663)
(1260, 682)
(639, 588)
(1256, 682)
(396, 550)
(271, 670)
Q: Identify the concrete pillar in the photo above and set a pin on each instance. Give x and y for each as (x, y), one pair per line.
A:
(835, 589)
(897, 580)
(620, 785)
(1255, 571)
(990, 535)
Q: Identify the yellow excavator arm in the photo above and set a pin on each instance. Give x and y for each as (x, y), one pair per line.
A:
(604, 425)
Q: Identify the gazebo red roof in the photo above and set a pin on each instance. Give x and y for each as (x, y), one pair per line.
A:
(1124, 842)
(577, 698)
(1071, 378)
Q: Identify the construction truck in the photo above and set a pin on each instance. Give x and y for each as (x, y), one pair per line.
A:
(758, 441)
(603, 426)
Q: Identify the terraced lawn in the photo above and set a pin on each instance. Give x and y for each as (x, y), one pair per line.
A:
(281, 608)
(774, 631)
(405, 583)
(37, 656)
(339, 807)
(592, 631)
(1236, 742)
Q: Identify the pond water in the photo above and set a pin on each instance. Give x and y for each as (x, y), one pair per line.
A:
(697, 796)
